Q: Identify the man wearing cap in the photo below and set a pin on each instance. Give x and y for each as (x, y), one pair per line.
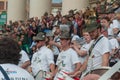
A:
(67, 60)
(99, 51)
(42, 62)
(100, 48)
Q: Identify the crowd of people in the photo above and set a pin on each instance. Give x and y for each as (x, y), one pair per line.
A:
(60, 47)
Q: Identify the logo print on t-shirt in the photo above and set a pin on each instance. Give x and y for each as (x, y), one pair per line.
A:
(10, 71)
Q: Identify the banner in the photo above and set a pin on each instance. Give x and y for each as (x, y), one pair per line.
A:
(3, 18)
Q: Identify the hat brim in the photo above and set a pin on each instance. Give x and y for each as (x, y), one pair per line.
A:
(38, 39)
(90, 29)
(62, 37)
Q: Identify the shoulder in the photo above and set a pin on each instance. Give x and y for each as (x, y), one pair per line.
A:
(16, 71)
(72, 51)
(22, 52)
(113, 39)
(104, 39)
(46, 50)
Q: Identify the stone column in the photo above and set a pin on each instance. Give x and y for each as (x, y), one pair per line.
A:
(5, 1)
(39, 7)
(16, 10)
(74, 4)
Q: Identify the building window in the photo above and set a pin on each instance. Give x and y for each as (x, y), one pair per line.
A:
(1, 5)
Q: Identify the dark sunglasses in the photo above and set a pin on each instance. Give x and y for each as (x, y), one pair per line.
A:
(37, 41)
(64, 39)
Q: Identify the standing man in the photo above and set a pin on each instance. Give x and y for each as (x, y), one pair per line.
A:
(67, 60)
(42, 63)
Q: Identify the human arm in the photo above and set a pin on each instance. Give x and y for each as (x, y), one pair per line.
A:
(24, 60)
(77, 67)
(82, 68)
(55, 43)
(75, 63)
(105, 59)
(52, 69)
(29, 69)
(50, 61)
(79, 52)
(25, 64)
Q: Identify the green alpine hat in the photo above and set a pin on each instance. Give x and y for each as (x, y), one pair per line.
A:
(92, 26)
(65, 34)
(40, 36)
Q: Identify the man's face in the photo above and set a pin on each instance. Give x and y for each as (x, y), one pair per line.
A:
(111, 16)
(64, 42)
(94, 34)
(39, 43)
(118, 16)
(104, 23)
(64, 20)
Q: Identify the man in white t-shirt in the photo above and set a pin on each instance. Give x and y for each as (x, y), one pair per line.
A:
(42, 64)
(9, 59)
(68, 60)
(99, 52)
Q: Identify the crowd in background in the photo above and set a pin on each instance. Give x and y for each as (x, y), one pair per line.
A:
(74, 22)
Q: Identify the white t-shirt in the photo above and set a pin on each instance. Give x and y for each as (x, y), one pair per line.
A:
(24, 57)
(67, 59)
(41, 60)
(85, 47)
(110, 30)
(116, 23)
(114, 43)
(56, 50)
(102, 46)
(15, 72)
